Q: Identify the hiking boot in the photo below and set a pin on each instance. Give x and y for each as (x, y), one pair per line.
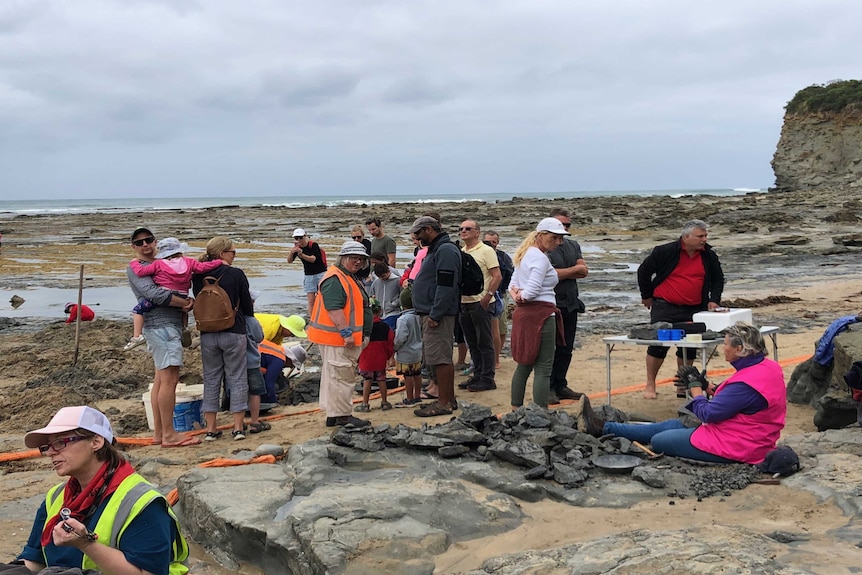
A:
(566, 393)
(135, 342)
(331, 421)
(588, 421)
(482, 386)
(552, 398)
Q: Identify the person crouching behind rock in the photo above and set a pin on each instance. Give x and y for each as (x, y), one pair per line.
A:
(340, 321)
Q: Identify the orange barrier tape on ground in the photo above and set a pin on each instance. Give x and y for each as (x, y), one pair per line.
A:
(228, 462)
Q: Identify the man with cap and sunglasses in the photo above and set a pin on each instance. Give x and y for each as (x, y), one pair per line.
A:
(163, 327)
(340, 324)
(436, 299)
(313, 263)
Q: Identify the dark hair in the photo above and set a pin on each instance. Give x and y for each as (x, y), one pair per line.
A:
(492, 233)
(107, 452)
(559, 212)
(379, 256)
(381, 268)
(375, 221)
(140, 231)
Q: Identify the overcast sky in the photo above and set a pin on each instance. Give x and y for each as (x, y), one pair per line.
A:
(256, 98)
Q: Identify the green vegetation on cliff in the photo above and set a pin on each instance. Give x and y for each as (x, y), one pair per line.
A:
(832, 97)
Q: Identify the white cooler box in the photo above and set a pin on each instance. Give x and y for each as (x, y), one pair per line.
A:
(718, 320)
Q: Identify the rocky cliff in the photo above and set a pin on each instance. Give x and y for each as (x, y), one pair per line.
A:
(821, 139)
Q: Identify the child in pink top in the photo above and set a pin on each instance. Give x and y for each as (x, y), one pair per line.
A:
(170, 270)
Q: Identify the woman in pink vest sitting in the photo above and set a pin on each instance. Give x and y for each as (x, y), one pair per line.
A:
(743, 420)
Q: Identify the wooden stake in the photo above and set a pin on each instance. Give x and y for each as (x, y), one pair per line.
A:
(78, 319)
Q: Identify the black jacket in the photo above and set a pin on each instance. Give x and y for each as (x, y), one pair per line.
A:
(657, 266)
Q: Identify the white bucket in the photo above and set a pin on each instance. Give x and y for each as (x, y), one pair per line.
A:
(188, 416)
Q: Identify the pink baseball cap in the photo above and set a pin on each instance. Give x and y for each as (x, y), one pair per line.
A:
(70, 419)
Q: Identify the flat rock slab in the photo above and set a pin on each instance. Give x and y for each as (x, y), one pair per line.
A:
(334, 509)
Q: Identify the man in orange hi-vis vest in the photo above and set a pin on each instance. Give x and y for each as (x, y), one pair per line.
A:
(340, 325)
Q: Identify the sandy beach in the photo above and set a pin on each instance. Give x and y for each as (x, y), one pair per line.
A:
(791, 257)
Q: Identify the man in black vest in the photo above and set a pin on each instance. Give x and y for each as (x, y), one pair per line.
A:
(570, 265)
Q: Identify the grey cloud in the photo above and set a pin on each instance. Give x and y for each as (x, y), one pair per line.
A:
(418, 91)
(308, 89)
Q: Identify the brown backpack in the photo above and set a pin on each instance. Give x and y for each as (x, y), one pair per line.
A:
(213, 310)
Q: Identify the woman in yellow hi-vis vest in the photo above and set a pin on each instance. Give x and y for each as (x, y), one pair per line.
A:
(105, 517)
(340, 321)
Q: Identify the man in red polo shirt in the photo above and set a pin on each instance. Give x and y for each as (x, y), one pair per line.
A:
(677, 280)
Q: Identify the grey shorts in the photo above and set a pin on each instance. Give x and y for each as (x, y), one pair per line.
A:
(165, 344)
(256, 385)
(437, 342)
(309, 284)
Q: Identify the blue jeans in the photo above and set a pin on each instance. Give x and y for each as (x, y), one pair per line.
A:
(670, 437)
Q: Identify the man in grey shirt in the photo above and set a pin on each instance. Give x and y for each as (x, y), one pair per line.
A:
(163, 326)
(380, 242)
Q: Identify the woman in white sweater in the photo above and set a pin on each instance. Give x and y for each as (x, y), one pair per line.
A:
(536, 322)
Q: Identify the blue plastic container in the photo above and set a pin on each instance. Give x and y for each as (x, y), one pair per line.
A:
(664, 334)
(187, 414)
(676, 334)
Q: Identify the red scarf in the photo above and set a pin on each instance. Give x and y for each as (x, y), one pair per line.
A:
(83, 502)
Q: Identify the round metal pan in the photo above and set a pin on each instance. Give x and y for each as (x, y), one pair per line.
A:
(617, 463)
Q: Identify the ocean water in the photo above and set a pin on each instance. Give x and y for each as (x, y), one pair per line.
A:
(281, 289)
(10, 208)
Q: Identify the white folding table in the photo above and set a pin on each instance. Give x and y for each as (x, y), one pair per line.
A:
(707, 347)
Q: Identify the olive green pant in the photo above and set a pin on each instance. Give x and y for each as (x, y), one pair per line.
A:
(542, 368)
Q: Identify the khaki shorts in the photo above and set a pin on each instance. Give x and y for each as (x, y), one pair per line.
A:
(437, 342)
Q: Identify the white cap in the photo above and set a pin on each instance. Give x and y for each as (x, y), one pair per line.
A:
(298, 232)
(70, 419)
(552, 225)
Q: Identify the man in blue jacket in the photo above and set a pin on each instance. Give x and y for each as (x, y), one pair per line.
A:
(677, 280)
(436, 298)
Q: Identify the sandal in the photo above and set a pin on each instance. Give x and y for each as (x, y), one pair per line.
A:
(259, 426)
(432, 410)
(426, 395)
(385, 405)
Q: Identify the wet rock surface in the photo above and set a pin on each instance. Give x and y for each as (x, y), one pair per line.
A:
(385, 498)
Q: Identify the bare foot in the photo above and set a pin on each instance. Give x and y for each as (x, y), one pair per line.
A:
(650, 395)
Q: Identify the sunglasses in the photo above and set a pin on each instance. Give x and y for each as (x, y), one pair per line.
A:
(357, 238)
(297, 238)
(466, 229)
(229, 252)
(59, 444)
(567, 225)
(142, 241)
